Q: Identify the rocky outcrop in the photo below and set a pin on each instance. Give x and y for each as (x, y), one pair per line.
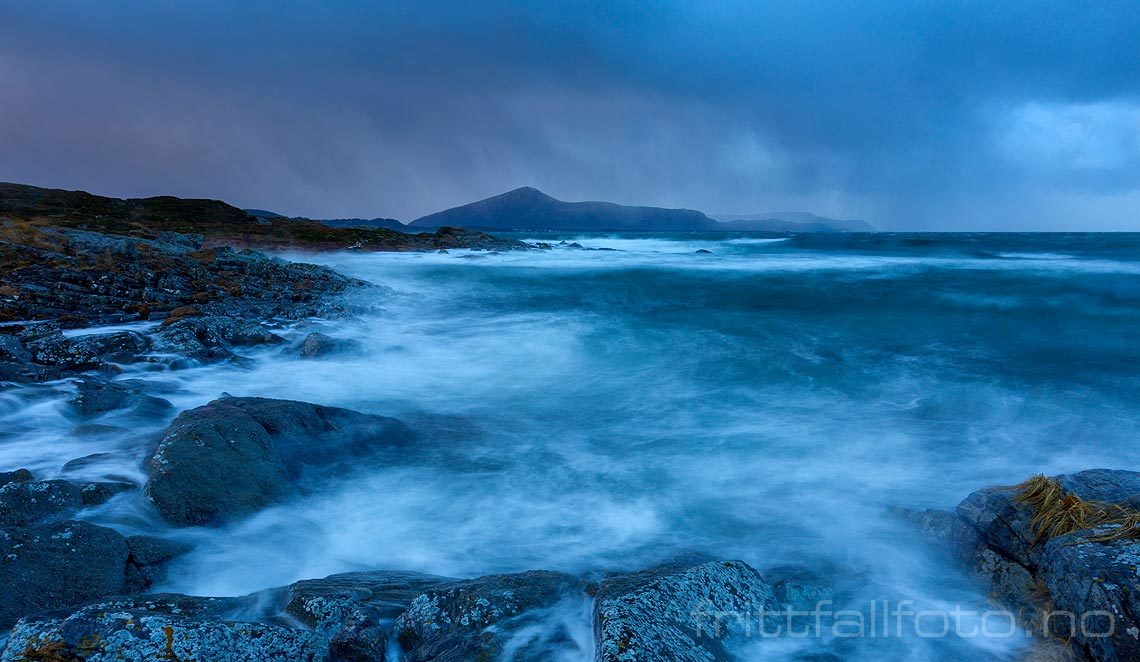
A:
(1061, 553)
(234, 456)
(683, 611)
(161, 627)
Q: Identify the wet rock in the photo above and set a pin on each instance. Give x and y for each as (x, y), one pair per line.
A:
(678, 611)
(234, 456)
(318, 345)
(98, 493)
(26, 372)
(474, 619)
(162, 627)
(703, 251)
(356, 610)
(146, 564)
(97, 396)
(51, 566)
(17, 476)
(25, 502)
(119, 347)
(87, 461)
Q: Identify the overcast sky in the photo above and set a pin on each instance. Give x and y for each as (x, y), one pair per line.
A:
(912, 115)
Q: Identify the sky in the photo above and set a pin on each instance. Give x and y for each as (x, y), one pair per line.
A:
(918, 115)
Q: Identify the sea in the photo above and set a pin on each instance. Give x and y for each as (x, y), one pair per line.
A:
(621, 399)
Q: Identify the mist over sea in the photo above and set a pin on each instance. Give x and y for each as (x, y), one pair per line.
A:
(590, 410)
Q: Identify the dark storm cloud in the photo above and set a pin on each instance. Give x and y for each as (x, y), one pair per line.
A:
(942, 115)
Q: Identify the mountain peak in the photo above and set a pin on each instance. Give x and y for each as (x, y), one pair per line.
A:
(526, 192)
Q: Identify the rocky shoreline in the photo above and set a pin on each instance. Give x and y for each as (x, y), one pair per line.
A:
(74, 590)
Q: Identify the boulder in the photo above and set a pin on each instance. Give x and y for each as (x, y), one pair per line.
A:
(51, 566)
(25, 502)
(474, 619)
(681, 611)
(160, 627)
(356, 610)
(318, 345)
(234, 456)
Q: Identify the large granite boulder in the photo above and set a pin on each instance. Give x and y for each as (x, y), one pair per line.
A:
(160, 627)
(234, 456)
(476, 619)
(51, 566)
(1063, 579)
(681, 611)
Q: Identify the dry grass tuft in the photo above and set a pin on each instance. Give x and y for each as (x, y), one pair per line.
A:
(1057, 513)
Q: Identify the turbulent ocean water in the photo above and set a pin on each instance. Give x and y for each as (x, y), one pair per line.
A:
(588, 410)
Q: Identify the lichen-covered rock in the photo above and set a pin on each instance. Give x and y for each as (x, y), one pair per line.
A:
(162, 627)
(318, 345)
(473, 619)
(1097, 583)
(234, 456)
(679, 611)
(51, 566)
(357, 609)
(25, 502)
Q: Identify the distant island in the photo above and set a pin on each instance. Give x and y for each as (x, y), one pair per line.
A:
(529, 209)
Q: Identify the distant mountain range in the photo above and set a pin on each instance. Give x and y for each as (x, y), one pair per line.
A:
(529, 209)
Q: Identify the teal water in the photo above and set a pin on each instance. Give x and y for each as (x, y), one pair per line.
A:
(585, 410)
